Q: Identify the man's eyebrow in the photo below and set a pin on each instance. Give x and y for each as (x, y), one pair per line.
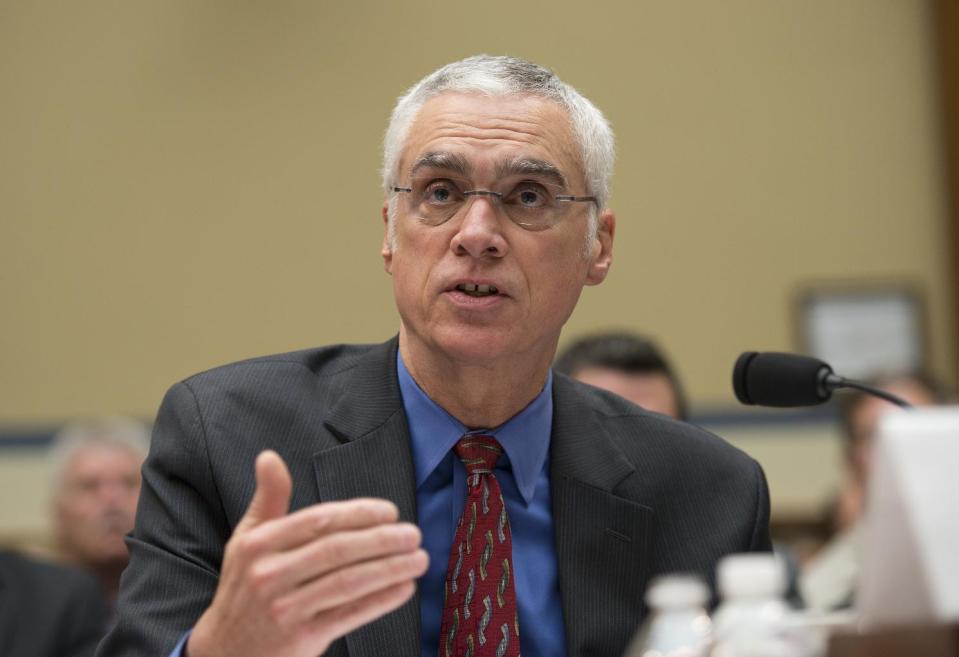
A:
(443, 160)
(531, 167)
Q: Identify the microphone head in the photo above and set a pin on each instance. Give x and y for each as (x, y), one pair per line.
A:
(783, 380)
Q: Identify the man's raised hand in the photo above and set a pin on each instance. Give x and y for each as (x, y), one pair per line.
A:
(292, 583)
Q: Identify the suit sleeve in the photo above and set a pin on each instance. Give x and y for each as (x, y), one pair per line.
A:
(176, 546)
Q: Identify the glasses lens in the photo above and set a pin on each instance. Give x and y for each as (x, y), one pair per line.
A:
(533, 205)
(436, 200)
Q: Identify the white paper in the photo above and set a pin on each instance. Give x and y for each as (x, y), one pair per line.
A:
(911, 551)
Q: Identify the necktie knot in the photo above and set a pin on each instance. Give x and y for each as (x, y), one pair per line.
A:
(478, 453)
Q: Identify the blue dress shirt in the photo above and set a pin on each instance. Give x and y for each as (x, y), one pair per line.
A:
(523, 475)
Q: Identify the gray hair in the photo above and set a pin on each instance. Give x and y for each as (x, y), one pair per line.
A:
(500, 76)
(118, 433)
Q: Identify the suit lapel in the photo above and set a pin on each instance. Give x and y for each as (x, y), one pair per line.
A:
(373, 460)
(602, 540)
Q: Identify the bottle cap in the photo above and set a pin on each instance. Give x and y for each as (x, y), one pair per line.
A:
(751, 575)
(670, 591)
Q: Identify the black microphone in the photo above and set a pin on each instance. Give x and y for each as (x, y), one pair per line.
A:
(785, 380)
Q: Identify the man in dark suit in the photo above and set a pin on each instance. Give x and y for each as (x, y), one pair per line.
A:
(442, 493)
(47, 610)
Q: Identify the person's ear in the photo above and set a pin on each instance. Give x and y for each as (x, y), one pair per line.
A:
(601, 256)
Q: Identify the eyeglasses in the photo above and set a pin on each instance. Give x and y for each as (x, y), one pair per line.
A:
(530, 204)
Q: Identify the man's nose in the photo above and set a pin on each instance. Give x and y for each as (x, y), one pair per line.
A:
(480, 230)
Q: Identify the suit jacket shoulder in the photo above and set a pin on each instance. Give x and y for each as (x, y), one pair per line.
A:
(679, 450)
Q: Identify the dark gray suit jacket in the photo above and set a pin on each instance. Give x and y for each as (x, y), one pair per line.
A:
(634, 493)
(47, 610)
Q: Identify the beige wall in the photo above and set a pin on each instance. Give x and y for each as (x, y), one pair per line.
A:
(188, 183)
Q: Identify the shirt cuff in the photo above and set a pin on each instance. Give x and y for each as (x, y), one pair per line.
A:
(180, 650)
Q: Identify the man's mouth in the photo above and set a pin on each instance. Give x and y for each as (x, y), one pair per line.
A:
(477, 290)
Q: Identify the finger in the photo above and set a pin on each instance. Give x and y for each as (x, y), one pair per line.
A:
(348, 585)
(280, 573)
(332, 625)
(272, 496)
(318, 520)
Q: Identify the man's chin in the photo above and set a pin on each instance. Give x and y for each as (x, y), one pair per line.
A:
(478, 345)
(465, 343)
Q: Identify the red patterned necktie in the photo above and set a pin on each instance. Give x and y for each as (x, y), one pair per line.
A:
(479, 614)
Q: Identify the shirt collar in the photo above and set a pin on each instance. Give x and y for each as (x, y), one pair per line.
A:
(434, 432)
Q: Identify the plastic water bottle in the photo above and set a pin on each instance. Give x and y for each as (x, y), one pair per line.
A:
(753, 620)
(678, 625)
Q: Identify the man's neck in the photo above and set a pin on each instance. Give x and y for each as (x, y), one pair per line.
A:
(480, 395)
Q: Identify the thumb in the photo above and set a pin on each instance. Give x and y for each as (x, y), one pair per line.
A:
(273, 488)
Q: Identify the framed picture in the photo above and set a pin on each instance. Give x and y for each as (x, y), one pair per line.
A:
(864, 330)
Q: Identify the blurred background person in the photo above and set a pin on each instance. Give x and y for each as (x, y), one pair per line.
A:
(96, 483)
(629, 365)
(48, 610)
(828, 580)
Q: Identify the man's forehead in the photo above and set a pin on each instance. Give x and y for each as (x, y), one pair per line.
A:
(510, 165)
(462, 131)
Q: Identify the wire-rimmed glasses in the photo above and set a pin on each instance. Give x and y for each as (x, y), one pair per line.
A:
(530, 204)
